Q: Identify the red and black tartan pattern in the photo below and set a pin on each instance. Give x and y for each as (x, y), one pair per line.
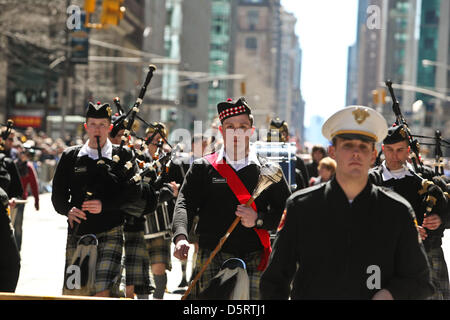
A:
(234, 111)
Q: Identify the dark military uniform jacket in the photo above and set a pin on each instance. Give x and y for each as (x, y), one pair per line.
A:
(206, 194)
(11, 177)
(75, 175)
(10, 257)
(329, 248)
(408, 187)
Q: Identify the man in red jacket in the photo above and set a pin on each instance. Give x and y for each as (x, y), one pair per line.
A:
(28, 177)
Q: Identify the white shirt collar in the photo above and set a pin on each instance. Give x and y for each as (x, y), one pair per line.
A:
(93, 153)
(252, 158)
(400, 174)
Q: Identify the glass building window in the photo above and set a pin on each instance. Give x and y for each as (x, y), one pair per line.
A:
(431, 17)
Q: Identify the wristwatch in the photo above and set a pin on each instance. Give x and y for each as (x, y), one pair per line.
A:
(259, 220)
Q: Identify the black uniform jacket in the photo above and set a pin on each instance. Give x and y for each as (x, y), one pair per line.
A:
(9, 257)
(408, 187)
(75, 175)
(10, 177)
(337, 246)
(206, 194)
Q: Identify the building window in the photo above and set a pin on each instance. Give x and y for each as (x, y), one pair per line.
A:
(251, 43)
(252, 18)
(429, 43)
(430, 17)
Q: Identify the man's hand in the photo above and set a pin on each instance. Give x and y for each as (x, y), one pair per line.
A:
(432, 222)
(12, 203)
(93, 206)
(422, 232)
(247, 214)
(181, 248)
(76, 215)
(175, 188)
(383, 294)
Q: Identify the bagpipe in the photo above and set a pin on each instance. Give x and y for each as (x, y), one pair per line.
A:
(130, 117)
(150, 172)
(400, 121)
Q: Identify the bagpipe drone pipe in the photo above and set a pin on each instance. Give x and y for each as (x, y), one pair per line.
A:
(151, 172)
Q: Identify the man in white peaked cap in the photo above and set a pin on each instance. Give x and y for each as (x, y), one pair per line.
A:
(347, 238)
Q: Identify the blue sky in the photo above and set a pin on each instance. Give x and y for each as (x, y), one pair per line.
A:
(326, 28)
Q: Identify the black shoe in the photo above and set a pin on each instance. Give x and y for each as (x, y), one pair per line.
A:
(179, 291)
(183, 283)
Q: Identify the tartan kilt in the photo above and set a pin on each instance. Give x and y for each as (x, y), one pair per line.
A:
(251, 260)
(109, 255)
(439, 274)
(136, 260)
(159, 251)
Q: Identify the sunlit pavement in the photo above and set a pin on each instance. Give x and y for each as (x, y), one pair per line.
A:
(43, 253)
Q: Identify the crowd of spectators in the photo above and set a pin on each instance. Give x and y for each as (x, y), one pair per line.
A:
(43, 151)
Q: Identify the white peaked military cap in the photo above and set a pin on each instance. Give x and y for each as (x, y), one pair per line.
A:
(356, 121)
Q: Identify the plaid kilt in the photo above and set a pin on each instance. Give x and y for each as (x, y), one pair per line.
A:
(109, 255)
(159, 251)
(439, 274)
(252, 261)
(136, 260)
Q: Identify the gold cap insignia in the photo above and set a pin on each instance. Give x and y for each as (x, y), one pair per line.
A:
(108, 109)
(360, 115)
(403, 132)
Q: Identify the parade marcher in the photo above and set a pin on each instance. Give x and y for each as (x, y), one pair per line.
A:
(159, 247)
(90, 193)
(216, 188)
(347, 238)
(327, 169)
(10, 257)
(14, 189)
(28, 178)
(395, 173)
(317, 153)
(136, 260)
(8, 144)
(280, 130)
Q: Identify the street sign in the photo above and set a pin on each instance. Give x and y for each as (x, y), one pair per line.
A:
(79, 42)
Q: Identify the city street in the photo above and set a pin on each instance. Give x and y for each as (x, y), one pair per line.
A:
(43, 253)
(43, 250)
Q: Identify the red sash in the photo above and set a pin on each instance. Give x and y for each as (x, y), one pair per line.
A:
(242, 195)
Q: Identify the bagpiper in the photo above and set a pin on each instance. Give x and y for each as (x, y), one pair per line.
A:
(216, 188)
(89, 188)
(396, 173)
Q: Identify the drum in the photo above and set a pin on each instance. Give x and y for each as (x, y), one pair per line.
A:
(282, 153)
(158, 223)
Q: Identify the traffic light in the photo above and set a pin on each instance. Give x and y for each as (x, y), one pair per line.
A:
(379, 96)
(89, 6)
(112, 12)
